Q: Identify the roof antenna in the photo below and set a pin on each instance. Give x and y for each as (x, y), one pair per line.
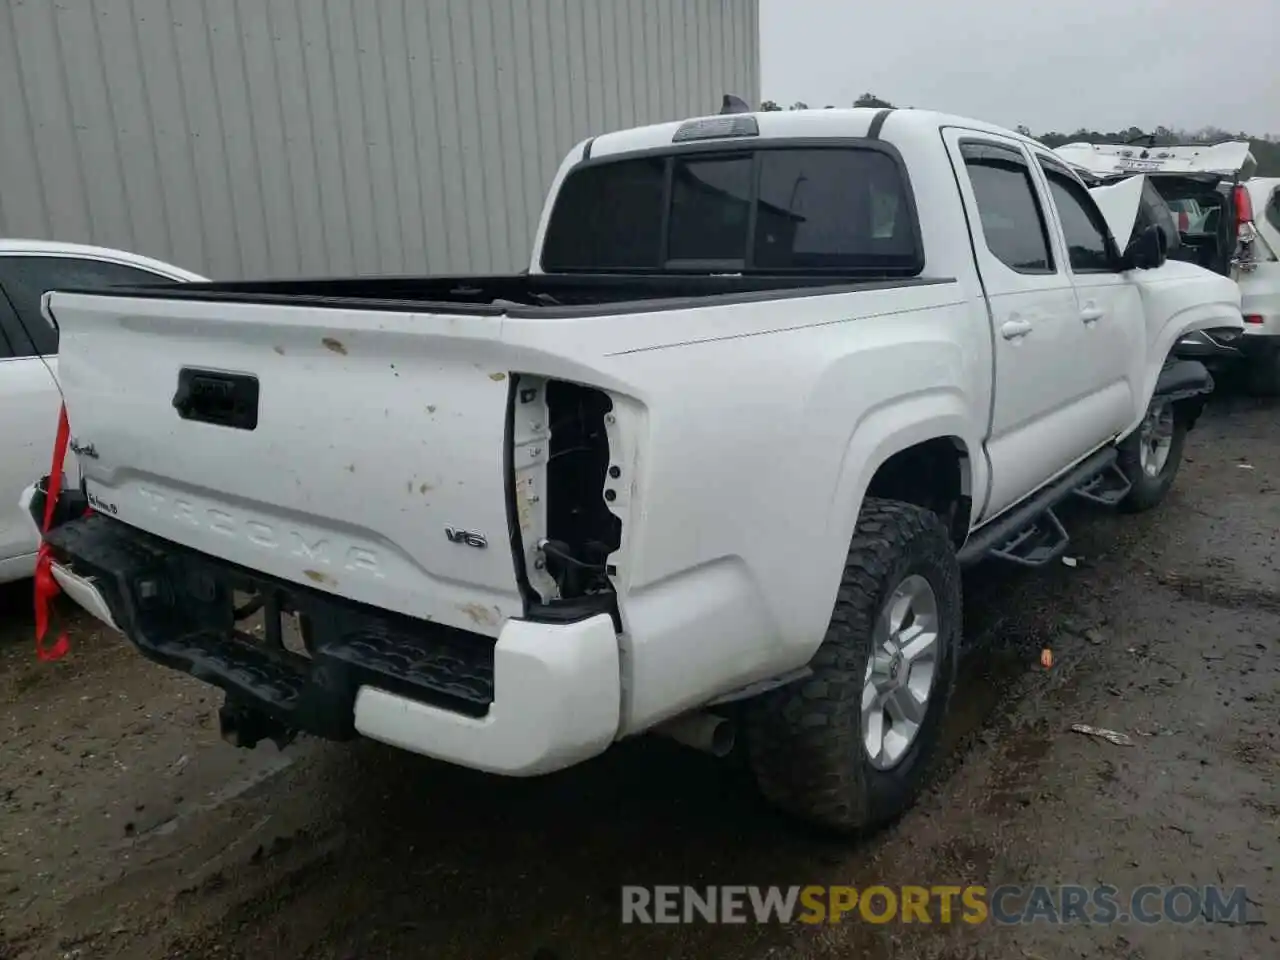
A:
(734, 104)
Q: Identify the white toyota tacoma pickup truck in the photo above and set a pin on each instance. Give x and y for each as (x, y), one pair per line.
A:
(713, 463)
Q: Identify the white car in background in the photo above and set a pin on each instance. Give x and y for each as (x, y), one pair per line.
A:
(1260, 286)
(1228, 221)
(28, 365)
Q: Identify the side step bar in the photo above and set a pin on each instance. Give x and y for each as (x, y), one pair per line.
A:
(1107, 489)
(1030, 534)
(1044, 541)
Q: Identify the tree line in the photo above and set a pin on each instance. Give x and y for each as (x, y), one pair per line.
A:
(1266, 147)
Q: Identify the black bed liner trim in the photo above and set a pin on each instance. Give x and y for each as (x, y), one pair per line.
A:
(757, 289)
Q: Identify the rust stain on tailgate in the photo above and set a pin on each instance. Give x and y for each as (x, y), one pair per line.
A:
(481, 615)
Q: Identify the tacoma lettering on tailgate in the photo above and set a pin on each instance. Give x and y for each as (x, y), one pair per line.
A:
(314, 548)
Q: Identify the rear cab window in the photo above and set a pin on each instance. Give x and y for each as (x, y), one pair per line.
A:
(842, 208)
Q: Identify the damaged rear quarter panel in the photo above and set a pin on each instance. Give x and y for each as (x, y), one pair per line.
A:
(754, 453)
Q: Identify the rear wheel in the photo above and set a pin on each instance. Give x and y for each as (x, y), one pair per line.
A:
(847, 748)
(1150, 456)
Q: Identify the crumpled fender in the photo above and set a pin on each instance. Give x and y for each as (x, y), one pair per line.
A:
(1187, 383)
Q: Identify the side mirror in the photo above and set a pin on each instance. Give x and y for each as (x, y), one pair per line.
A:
(1148, 250)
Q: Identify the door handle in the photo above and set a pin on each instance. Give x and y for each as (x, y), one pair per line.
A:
(1015, 329)
(1091, 314)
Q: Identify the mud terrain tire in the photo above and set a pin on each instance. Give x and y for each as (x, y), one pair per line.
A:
(805, 741)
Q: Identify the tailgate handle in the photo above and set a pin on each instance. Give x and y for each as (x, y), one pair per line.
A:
(222, 399)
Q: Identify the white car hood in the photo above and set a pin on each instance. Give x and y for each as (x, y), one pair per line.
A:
(1118, 203)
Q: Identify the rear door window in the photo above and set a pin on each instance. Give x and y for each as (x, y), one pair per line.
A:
(24, 280)
(840, 209)
(1013, 223)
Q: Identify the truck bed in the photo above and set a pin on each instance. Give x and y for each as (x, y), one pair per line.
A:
(543, 295)
(410, 443)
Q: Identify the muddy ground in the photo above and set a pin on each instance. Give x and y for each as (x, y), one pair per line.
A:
(129, 830)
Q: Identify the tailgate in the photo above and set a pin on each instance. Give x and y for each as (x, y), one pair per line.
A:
(356, 452)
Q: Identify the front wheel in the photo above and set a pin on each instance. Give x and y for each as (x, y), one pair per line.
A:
(1150, 456)
(847, 748)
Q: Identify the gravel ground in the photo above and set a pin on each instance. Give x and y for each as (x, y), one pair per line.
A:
(129, 830)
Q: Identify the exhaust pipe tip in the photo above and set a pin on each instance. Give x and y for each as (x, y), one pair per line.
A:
(706, 732)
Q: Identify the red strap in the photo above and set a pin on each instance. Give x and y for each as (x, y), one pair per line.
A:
(47, 587)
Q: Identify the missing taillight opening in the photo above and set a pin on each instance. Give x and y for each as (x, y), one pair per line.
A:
(581, 530)
(563, 482)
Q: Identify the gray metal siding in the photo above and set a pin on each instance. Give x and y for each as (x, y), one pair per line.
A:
(300, 137)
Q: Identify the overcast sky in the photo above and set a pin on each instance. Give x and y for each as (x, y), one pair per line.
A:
(1054, 65)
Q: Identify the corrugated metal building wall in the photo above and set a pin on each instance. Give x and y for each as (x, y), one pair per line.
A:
(309, 137)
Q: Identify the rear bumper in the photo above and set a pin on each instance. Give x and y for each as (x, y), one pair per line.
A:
(539, 698)
(556, 702)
